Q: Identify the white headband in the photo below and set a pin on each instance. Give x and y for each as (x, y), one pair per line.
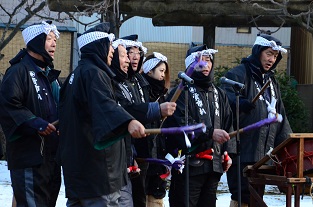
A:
(151, 63)
(33, 31)
(130, 43)
(93, 36)
(192, 57)
(264, 42)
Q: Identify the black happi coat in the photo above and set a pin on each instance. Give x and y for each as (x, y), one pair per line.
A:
(92, 126)
(25, 109)
(202, 141)
(157, 93)
(132, 92)
(256, 143)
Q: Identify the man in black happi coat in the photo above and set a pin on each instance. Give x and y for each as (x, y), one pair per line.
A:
(93, 125)
(254, 71)
(28, 105)
(207, 104)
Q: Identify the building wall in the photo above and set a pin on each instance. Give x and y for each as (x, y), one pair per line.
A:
(62, 57)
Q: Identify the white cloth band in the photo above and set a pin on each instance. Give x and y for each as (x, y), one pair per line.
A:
(33, 31)
(129, 43)
(93, 36)
(151, 63)
(192, 57)
(264, 42)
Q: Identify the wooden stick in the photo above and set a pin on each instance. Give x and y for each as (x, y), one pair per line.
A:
(261, 91)
(153, 131)
(232, 134)
(55, 122)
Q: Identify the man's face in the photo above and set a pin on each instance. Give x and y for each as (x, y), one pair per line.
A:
(206, 70)
(51, 43)
(134, 57)
(268, 57)
(110, 55)
(123, 58)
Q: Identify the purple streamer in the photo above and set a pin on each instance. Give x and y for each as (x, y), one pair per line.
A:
(259, 124)
(187, 129)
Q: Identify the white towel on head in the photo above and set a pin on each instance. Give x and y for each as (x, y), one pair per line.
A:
(93, 36)
(33, 31)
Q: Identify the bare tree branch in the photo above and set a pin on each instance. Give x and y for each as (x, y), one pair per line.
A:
(303, 19)
(72, 17)
(267, 31)
(5, 41)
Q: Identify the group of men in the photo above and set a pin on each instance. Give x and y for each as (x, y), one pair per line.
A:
(93, 125)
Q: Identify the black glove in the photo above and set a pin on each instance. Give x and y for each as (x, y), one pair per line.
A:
(245, 106)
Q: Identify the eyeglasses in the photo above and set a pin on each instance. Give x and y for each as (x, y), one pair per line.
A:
(131, 53)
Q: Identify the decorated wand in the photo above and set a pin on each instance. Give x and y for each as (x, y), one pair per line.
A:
(277, 118)
(170, 162)
(176, 164)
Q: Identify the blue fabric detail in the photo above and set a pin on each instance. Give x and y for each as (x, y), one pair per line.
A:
(36, 123)
(154, 111)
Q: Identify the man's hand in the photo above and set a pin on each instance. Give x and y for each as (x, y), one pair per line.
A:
(220, 136)
(167, 108)
(226, 161)
(136, 129)
(50, 128)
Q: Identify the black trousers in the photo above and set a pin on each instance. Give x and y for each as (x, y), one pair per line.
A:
(139, 186)
(202, 190)
(37, 186)
(155, 186)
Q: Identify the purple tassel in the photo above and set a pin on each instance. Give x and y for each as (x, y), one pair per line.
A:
(187, 129)
(260, 124)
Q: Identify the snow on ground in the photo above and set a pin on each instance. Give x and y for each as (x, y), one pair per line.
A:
(273, 199)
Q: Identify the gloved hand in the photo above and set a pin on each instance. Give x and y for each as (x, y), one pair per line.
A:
(245, 105)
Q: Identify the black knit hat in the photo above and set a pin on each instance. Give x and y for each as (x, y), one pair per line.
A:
(102, 27)
(196, 49)
(133, 37)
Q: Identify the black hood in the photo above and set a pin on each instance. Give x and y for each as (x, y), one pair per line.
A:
(99, 47)
(37, 45)
(198, 77)
(254, 58)
(98, 50)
